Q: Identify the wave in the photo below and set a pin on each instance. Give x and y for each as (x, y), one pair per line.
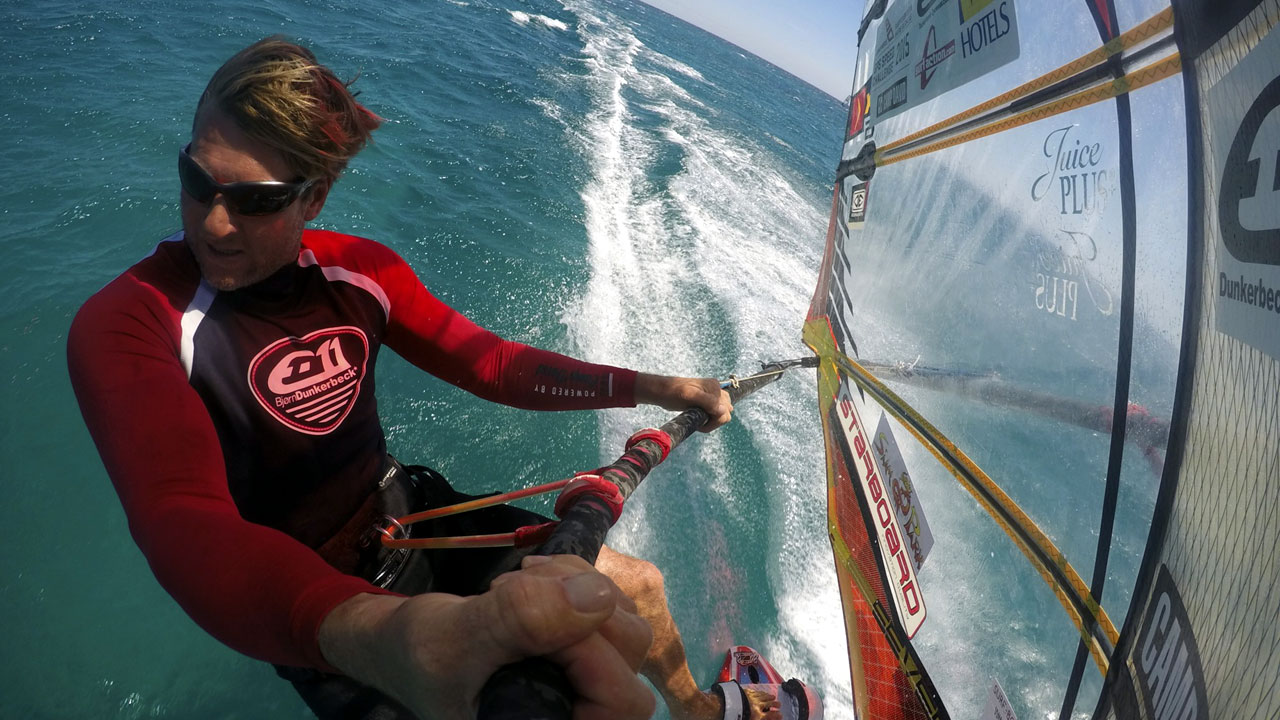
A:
(524, 18)
(702, 253)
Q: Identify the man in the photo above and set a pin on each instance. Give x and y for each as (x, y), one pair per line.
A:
(227, 380)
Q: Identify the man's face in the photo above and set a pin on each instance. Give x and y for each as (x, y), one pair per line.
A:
(233, 250)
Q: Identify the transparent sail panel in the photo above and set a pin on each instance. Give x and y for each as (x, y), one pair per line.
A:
(1203, 641)
(990, 367)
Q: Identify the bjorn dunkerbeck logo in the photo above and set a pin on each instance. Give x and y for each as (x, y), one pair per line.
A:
(1247, 210)
(311, 383)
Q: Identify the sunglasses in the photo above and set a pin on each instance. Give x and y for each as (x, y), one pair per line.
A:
(243, 198)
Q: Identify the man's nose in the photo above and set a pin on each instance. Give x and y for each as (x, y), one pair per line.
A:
(218, 220)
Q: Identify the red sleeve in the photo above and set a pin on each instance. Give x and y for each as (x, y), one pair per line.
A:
(252, 587)
(442, 341)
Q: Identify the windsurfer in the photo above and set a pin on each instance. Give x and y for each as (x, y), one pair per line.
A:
(227, 380)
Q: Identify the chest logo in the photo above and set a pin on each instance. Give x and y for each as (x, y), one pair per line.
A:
(311, 383)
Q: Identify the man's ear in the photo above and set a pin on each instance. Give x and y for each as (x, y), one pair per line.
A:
(315, 197)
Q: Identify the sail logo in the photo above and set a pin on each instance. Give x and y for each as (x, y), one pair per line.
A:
(933, 57)
(1259, 295)
(858, 205)
(1167, 663)
(892, 98)
(898, 570)
(1073, 173)
(926, 8)
(859, 107)
(943, 43)
(1061, 273)
(1249, 197)
(311, 383)
(970, 8)
(904, 498)
(985, 31)
(1241, 136)
(894, 41)
(911, 666)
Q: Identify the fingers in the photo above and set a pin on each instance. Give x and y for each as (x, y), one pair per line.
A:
(607, 684)
(680, 393)
(563, 609)
(720, 410)
(549, 603)
(764, 705)
(624, 628)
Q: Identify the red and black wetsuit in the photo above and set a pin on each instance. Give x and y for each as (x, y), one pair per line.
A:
(241, 430)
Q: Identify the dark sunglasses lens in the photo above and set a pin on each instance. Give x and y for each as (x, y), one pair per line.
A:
(194, 180)
(259, 201)
(242, 198)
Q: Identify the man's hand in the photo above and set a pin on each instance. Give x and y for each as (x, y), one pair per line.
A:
(679, 393)
(434, 652)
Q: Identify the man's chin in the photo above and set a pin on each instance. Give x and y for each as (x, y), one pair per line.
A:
(225, 284)
(224, 280)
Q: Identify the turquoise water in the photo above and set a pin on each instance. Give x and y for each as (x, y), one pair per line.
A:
(594, 177)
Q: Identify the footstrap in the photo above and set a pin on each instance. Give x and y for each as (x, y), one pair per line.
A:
(734, 699)
(799, 697)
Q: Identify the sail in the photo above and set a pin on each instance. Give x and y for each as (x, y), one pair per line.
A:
(1202, 639)
(1048, 319)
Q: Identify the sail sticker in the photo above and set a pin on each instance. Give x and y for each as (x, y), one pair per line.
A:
(902, 494)
(998, 707)
(858, 205)
(1164, 664)
(893, 45)
(926, 47)
(900, 573)
(1244, 138)
(969, 9)
(859, 106)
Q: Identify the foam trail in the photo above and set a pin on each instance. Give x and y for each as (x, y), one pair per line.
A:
(524, 18)
(727, 236)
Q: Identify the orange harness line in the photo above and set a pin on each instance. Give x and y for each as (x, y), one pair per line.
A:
(531, 534)
(394, 535)
(594, 483)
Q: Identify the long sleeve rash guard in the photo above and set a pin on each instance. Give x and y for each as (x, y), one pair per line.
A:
(240, 429)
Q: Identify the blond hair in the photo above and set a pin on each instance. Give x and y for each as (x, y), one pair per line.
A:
(277, 93)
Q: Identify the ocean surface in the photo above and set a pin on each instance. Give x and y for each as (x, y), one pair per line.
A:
(591, 176)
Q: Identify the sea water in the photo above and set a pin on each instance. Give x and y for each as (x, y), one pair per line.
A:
(593, 177)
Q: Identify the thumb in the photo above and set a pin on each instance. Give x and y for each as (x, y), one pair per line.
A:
(533, 614)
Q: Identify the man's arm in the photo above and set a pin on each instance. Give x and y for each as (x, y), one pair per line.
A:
(445, 343)
(252, 587)
(681, 393)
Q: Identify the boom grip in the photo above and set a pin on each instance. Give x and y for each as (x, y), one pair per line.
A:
(581, 531)
(536, 688)
(531, 689)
